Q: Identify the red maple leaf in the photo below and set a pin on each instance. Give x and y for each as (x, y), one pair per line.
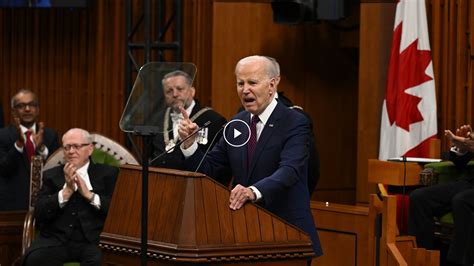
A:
(405, 71)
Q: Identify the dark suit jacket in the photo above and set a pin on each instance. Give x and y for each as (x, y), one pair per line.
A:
(279, 167)
(15, 169)
(56, 224)
(175, 159)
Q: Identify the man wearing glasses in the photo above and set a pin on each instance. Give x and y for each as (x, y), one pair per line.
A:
(26, 137)
(72, 206)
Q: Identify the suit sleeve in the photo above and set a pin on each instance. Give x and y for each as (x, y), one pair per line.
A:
(10, 158)
(293, 165)
(460, 160)
(47, 205)
(215, 165)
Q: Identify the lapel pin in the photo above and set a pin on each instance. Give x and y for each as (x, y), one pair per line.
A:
(270, 125)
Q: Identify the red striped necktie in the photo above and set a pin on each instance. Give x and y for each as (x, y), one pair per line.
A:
(30, 148)
(253, 139)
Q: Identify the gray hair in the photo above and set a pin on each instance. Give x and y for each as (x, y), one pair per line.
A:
(275, 64)
(177, 73)
(85, 134)
(25, 91)
(272, 68)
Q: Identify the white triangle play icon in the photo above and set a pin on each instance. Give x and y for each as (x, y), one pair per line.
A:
(236, 133)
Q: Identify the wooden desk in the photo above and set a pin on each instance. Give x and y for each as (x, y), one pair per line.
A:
(343, 232)
(11, 230)
(392, 173)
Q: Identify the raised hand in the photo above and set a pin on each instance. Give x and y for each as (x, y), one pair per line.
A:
(21, 136)
(69, 176)
(82, 188)
(463, 139)
(186, 128)
(464, 131)
(38, 136)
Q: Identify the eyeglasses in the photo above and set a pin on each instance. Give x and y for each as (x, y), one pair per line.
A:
(76, 147)
(23, 106)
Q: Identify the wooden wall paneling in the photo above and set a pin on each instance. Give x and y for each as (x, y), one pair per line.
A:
(376, 27)
(449, 28)
(464, 54)
(471, 28)
(227, 35)
(118, 63)
(197, 45)
(4, 92)
(446, 88)
(434, 12)
(457, 107)
(17, 41)
(330, 73)
(459, 46)
(53, 33)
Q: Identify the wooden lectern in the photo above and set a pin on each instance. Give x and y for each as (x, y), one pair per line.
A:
(190, 223)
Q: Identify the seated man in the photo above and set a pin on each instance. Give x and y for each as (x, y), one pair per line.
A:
(456, 197)
(72, 206)
(179, 92)
(20, 141)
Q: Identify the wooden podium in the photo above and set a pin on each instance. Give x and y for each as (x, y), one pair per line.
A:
(190, 223)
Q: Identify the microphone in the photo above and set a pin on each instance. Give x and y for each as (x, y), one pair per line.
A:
(181, 141)
(209, 148)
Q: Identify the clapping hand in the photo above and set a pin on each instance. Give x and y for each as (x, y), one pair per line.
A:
(463, 139)
(21, 136)
(69, 176)
(38, 136)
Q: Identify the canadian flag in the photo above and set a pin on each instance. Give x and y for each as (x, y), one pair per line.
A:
(409, 107)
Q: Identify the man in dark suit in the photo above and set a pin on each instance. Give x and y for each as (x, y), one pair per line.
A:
(179, 92)
(457, 197)
(72, 206)
(18, 142)
(272, 168)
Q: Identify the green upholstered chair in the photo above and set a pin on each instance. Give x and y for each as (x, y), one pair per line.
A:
(106, 151)
(443, 172)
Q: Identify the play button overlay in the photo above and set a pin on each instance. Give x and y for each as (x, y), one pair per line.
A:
(236, 133)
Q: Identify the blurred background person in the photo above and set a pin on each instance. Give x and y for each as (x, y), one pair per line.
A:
(26, 137)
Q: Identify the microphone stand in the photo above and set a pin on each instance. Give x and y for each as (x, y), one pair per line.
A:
(147, 133)
(180, 142)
